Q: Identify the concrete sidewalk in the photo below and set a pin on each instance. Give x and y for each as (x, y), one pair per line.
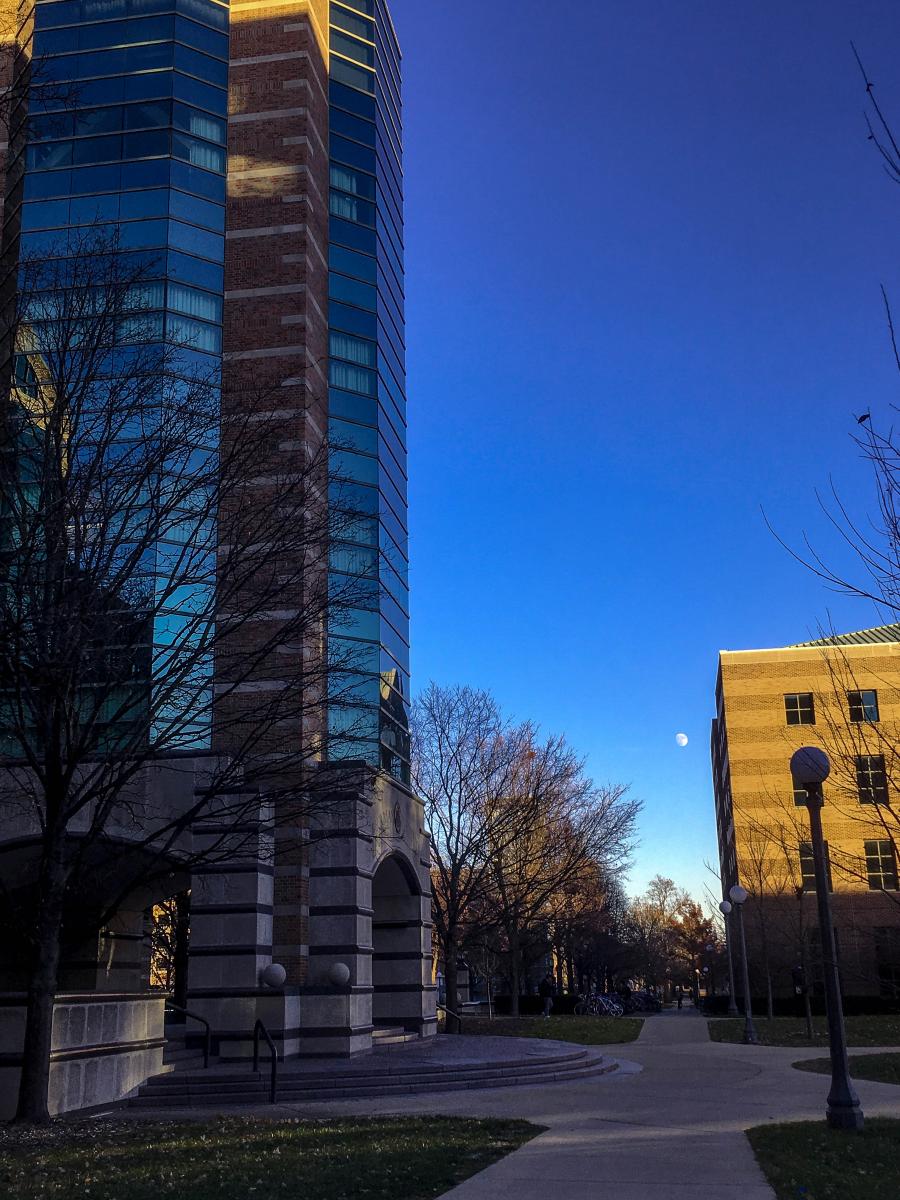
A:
(663, 1132)
(667, 1126)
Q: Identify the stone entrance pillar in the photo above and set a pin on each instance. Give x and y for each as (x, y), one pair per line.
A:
(232, 904)
(369, 909)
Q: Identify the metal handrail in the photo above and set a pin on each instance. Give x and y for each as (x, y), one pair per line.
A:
(450, 1013)
(258, 1029)
(207, 1041)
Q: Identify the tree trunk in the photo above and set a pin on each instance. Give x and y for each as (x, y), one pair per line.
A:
(515, 973)
(807, 1012)
(451, 951)
(182, 942)
(770, 999)
(34, 1084)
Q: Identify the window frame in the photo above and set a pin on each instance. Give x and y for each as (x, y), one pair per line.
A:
(808, 877)
(881, 865)
(859, 709)
(799, 710)
(875, 791)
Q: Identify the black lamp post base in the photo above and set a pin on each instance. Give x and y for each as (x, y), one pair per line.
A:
(845, 1118)
(750, 1038)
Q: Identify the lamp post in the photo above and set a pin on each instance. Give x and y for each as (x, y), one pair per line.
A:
(809, 769)
(709, 971)
(738, 899)
(725, 909)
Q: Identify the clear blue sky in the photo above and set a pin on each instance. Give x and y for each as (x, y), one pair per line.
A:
(644, 244)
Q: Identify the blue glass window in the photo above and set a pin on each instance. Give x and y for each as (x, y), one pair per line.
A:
(352, 22)
(357, 350)
(351, 291)
(360, 52)
(362, 266)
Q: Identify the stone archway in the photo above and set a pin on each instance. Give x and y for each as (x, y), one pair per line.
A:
(398, 957)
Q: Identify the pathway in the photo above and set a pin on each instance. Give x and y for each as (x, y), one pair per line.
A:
(667, 1126)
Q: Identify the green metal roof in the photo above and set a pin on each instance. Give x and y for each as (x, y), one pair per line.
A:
(862, 637)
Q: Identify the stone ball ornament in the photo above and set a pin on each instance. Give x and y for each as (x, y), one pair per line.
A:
(809, 764)
(273, 976)
(339, 974)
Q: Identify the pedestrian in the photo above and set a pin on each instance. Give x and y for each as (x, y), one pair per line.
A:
(547, 990)
(679, 993)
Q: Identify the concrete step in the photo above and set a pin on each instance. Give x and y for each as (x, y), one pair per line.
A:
(296, 1089)
(198, 1084)
(392, 1037)
(325, 1076)
(183, 1059)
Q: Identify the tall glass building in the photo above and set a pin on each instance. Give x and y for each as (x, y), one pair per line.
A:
(126, 144)
(135, 147)
(249, 157)
(367, 378)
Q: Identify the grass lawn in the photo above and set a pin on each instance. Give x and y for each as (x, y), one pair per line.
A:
(391, 1158)
(882, 1068)
(807, 1159)
(789, 1031)
(585, 1031)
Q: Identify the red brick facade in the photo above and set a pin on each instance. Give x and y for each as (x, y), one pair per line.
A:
(276, 282)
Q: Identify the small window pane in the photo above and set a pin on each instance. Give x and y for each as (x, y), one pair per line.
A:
(799, 708)
(871, 779)
(881, 867)
(863, 705)
(887, 957)
(808, 868)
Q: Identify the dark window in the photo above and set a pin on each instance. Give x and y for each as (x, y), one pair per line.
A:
(887, 959)
(808, 870)
(863, 705)
(799, 708)
(881, 866)
(871, 779)
(800, 796)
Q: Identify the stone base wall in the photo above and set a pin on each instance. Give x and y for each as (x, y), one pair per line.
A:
(370, 910)
(104, 1047)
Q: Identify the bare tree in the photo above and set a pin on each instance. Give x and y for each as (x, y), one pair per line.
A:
(588, 931)
(164, 599)
(565, 824)
(652, 918)
(464, 761)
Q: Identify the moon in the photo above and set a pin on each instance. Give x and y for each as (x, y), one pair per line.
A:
(681, 739)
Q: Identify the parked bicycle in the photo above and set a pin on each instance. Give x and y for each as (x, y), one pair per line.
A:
(598, 1004)
(640, 1002)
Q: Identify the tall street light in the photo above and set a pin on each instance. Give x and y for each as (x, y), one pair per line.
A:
(738, 899)
(725, 909)
(809, 769)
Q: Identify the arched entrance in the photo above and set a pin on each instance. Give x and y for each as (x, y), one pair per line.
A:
(398, 959)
